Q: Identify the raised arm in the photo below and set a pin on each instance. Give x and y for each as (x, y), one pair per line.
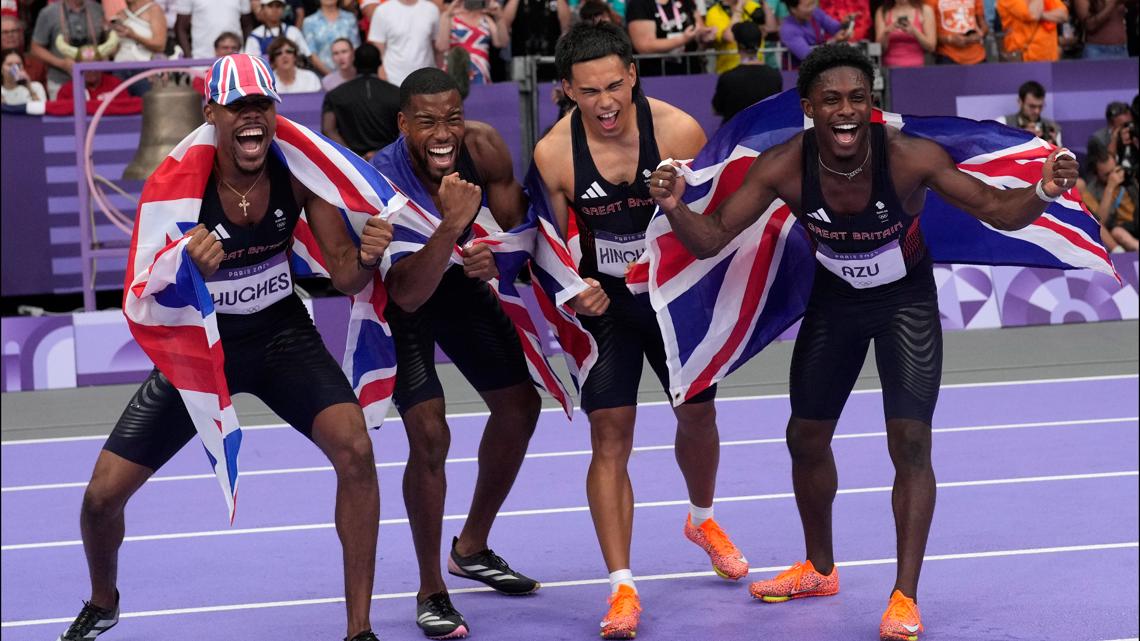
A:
(1004, 209)
(349, 266)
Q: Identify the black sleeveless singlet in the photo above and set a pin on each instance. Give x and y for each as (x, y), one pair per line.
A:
(612, 219)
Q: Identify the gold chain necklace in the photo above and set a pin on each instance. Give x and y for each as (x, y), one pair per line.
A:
(849, 175)
(244, 204)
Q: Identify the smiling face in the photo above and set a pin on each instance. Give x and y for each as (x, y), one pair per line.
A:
(244, 130)
(603, 90)
(839, 104)
(434, 128)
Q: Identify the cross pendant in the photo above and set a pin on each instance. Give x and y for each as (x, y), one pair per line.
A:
(244, 204)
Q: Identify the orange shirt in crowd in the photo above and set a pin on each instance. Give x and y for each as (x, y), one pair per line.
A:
(959, 17)
(1035, 39)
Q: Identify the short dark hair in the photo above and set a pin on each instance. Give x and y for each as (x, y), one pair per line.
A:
(366, 59)
(227, 35)
(792, 4)
(1030, 88)
(4, 53)
(277, 45)
(830, 56)
(747, 36)
(586, 41)
(1097, 153)
(1115, 109)
(428, 80)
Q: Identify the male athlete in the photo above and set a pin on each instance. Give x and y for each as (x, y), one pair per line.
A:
(615, 138)
(249, 210)
(858, 189)
(458, 165)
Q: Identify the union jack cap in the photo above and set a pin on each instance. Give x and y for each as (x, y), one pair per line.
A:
(238, 75)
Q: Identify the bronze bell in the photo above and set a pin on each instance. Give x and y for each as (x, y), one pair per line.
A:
(170, 112)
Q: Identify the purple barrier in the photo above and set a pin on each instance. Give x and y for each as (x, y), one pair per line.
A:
(95, 348)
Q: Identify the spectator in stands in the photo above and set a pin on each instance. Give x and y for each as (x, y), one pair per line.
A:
(1111, 194)
(200, 22)
(361, 113)
(961, 26)
(283, 53)
(474, 26)
(80, 22)
(366, 8)
(97, 84)
(905, 29)
(667, 26)
(141, 26)
(598, 11)
(404, 32)
(749, 82)
(12, 37)
(1030, 105)
(343, 65)
(326, 26)
(272, 28)
(807, 26)
(1117, 116)
(616, 9)
(535, 26)
(1031, 29)
(724, 14)
(18, 88)
(225, 44)
(861, 10)
(1105, 35)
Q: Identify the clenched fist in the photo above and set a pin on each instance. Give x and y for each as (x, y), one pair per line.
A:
(592, 301)
(459, 200)
(666, 186)
(479, 262)
(374, 240)
(205, 250)
(1059, 174)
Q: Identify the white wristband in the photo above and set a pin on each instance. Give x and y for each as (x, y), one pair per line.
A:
(1044, 196)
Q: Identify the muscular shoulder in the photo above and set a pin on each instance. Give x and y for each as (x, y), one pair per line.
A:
(678, 134)
(781, 167)
(488, 150)
(913, 159)
(553, 155)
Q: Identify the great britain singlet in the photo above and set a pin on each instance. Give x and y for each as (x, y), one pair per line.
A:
(612, 219)
(879, 245)
(255, 272)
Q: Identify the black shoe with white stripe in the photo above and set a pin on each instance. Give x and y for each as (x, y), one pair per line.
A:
(91, 622)
(490, 568)
(439, 619)
(367, 635)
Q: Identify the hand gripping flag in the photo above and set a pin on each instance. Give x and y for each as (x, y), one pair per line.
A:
(556, 281)
(717, 313)
(170, 312)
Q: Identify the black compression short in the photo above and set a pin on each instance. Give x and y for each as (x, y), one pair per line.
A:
(284, 363)
(627, 335)
(465, 318)
(831, 346)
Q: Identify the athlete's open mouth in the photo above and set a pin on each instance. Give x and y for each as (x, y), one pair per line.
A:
(609, 119)
(251, 139)
(845, 133)
(441, 156)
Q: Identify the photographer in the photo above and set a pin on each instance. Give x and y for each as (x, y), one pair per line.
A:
(1031, 102)
(1111, 194)
(18, 89)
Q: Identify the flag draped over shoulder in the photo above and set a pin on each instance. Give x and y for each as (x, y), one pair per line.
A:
(534, 241)
(170, 312)
(717, 313)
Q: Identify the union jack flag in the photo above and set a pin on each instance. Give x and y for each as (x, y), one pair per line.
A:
(476, 39)
(717, 313)
(536, 240)
(171, 314)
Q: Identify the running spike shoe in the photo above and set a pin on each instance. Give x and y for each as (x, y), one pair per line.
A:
(367, 635)
(727, 560)
(901, 621)
(92, 621)
(624, 614)
(489, 568)
(799, 581)
(439, 619)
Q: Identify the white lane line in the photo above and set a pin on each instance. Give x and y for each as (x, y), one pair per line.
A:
(759, 397)
(565, 453)
(566, 510)
(989, 554)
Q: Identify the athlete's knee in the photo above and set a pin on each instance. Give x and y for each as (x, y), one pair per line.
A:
(809, 441)
(353, 456)
(429, 441)
(909, 442)
(696, 419)
(611, 436)
(101, 501)
(519, 406)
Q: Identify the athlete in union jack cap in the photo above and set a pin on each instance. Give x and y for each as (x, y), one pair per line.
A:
(250, 207)
(857, 188)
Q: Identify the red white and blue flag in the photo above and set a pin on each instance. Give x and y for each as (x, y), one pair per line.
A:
(556, 281)
(717, 313)
(171, 314)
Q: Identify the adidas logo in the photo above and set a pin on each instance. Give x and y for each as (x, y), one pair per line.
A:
(595, 191)
(820, 215)
(220, 232)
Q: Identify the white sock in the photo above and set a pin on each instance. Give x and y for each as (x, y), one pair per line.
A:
(700, 514)
(621, 577)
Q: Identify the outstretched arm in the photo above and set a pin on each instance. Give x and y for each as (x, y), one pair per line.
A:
(1005, 209)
